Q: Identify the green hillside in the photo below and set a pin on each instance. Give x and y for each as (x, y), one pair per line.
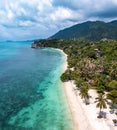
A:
(92, 31)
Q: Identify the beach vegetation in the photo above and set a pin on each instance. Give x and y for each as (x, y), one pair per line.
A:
(101, 89)
(84, 93)
(112, 85)
(112, 95)
(101, 103)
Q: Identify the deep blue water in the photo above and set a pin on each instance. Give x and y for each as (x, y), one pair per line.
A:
(31, 93)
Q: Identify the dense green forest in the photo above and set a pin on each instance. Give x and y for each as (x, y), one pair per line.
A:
(92, 31)
(92, 65)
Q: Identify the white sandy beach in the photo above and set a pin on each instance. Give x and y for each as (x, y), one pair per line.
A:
(85, 116)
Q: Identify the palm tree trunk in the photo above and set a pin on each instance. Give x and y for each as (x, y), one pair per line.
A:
(100, 112)
(85, 101)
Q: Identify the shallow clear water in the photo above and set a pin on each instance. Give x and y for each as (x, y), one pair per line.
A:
(31, 93)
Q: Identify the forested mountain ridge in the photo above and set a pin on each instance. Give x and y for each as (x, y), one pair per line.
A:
(91, 31)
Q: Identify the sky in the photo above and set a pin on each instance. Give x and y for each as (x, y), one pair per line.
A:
(36, 19)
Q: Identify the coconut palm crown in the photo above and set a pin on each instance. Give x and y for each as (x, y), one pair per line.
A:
(101, 102)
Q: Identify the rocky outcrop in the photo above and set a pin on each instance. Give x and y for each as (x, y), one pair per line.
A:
(37, 44)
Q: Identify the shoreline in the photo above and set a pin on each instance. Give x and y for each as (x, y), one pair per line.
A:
(84, 117)
(70, 97)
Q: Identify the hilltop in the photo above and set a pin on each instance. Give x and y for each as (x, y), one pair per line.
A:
(91, 31)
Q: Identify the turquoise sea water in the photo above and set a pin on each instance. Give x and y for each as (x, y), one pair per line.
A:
(31, 93)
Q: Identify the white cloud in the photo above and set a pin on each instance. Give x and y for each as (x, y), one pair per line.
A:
(25, 23)
(61, 14)
(42, 18)
(115, 2)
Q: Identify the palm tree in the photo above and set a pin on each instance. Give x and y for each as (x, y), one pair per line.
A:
(101, 103)
(84, 93)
